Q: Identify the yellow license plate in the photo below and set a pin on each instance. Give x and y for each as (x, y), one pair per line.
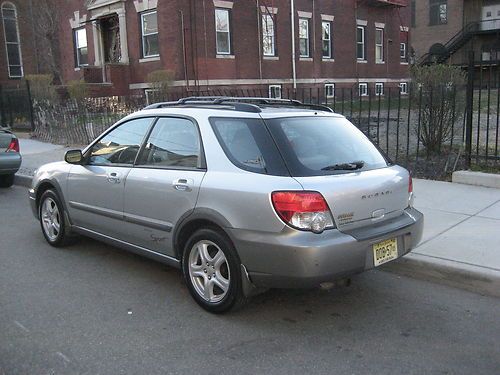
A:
(385, 251)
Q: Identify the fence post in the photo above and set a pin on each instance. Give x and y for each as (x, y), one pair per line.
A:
(469, 108)
(3, 118)
(30, 102)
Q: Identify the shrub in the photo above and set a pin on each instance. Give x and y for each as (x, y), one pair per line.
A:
(78, 90)
(42, 88)
(160, 82)
(442, 103)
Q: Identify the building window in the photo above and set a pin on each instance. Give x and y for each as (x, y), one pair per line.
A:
(268, 41)
(379, 88)
(222, 30)
(304, 37)
(275, 91)
(81, 50)
(330, 90)
(438, 12)
(326, 37)
(12, 42)
(360, 43)
(149, 29)
(403, 88)
(379, 45)
(402, 52)
(363, 89)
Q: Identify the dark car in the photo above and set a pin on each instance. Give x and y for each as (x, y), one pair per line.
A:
(10, 158)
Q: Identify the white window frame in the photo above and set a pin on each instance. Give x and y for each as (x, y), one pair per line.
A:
(228, 31)
(402, 51)
(143, 35)
(307, 39)
(268, 33)
(362, 42)
(363, 89)
(18, 43)
(379, 88)
(78, 47)
(148, 93)
(379, 46)
(403, 88)
(329, 40)
(329, 90)
(270, 91)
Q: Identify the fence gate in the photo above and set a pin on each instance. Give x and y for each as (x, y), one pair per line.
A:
(16, 107)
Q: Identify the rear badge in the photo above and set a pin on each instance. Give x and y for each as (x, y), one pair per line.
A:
(345, 218)
(376, 195)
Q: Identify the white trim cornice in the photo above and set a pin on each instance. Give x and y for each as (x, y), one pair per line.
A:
(268, 10)
(223, 4)
(326, 17)
(77, 21)
(304, 14)
(143, 5)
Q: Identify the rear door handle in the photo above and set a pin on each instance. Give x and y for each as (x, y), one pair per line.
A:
(113, 178)
(183, 184)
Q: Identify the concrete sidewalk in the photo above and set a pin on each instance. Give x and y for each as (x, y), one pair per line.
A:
(461, 243)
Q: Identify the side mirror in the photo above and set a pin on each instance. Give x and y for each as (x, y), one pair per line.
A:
(73, 157)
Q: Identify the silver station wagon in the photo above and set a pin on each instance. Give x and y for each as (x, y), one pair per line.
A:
(241, 194)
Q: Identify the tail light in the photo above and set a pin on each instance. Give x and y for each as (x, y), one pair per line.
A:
(303, 210)
(13, 146)
(410, 191)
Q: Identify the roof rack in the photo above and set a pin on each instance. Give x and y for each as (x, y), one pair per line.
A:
(243, 104)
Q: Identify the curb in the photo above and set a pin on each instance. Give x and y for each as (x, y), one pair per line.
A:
(476, 279)
(23, 180)
(490, 180)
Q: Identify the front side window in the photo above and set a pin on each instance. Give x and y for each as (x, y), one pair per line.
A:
(81, 50)
(149, 30)
(248, 145)
(222, 30)
(312, 146)
(360, 43)
(326, 37)
(402, 52)
(174, 142)
(12, 42)
(268, 41)
(438, 12)
(275, 91)
(379, 88)
(403, 88)
(121, 145)
(304, 37)
(379, 45)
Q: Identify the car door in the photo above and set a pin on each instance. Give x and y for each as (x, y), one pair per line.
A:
(95, 189)
(164, 183)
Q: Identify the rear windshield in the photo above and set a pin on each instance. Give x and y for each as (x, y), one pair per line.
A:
(313, 146)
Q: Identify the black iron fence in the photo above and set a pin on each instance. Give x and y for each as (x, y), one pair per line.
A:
(16, 110)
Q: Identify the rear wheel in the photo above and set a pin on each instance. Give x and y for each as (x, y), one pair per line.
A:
(51, 213)
(6, 180)
(212, 272)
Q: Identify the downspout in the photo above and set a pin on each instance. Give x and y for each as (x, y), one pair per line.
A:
(292, 16)
(259, 18)
(205, 40)
(184, 50)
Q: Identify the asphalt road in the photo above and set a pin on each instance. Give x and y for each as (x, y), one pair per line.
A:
(94, 309)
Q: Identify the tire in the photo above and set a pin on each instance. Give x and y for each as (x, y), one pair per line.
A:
(6, 180)
(212, 271)
(51, 214)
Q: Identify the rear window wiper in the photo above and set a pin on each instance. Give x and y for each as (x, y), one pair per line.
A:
(352, 166)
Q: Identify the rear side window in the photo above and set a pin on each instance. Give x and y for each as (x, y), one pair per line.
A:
(174, 142)
(313, 146)
(249, 146)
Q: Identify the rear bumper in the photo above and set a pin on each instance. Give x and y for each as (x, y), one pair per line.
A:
(294, 259)
(10, 162)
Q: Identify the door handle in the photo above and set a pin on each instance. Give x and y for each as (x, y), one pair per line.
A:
(113, 178)
(183, 184)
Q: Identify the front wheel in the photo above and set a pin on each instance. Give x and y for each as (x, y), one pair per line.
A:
(211, 268)
(51, 213)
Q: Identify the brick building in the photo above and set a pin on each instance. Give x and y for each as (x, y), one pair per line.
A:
(211, 44)
(447, 30)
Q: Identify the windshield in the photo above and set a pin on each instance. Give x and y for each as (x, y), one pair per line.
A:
(315, 146)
